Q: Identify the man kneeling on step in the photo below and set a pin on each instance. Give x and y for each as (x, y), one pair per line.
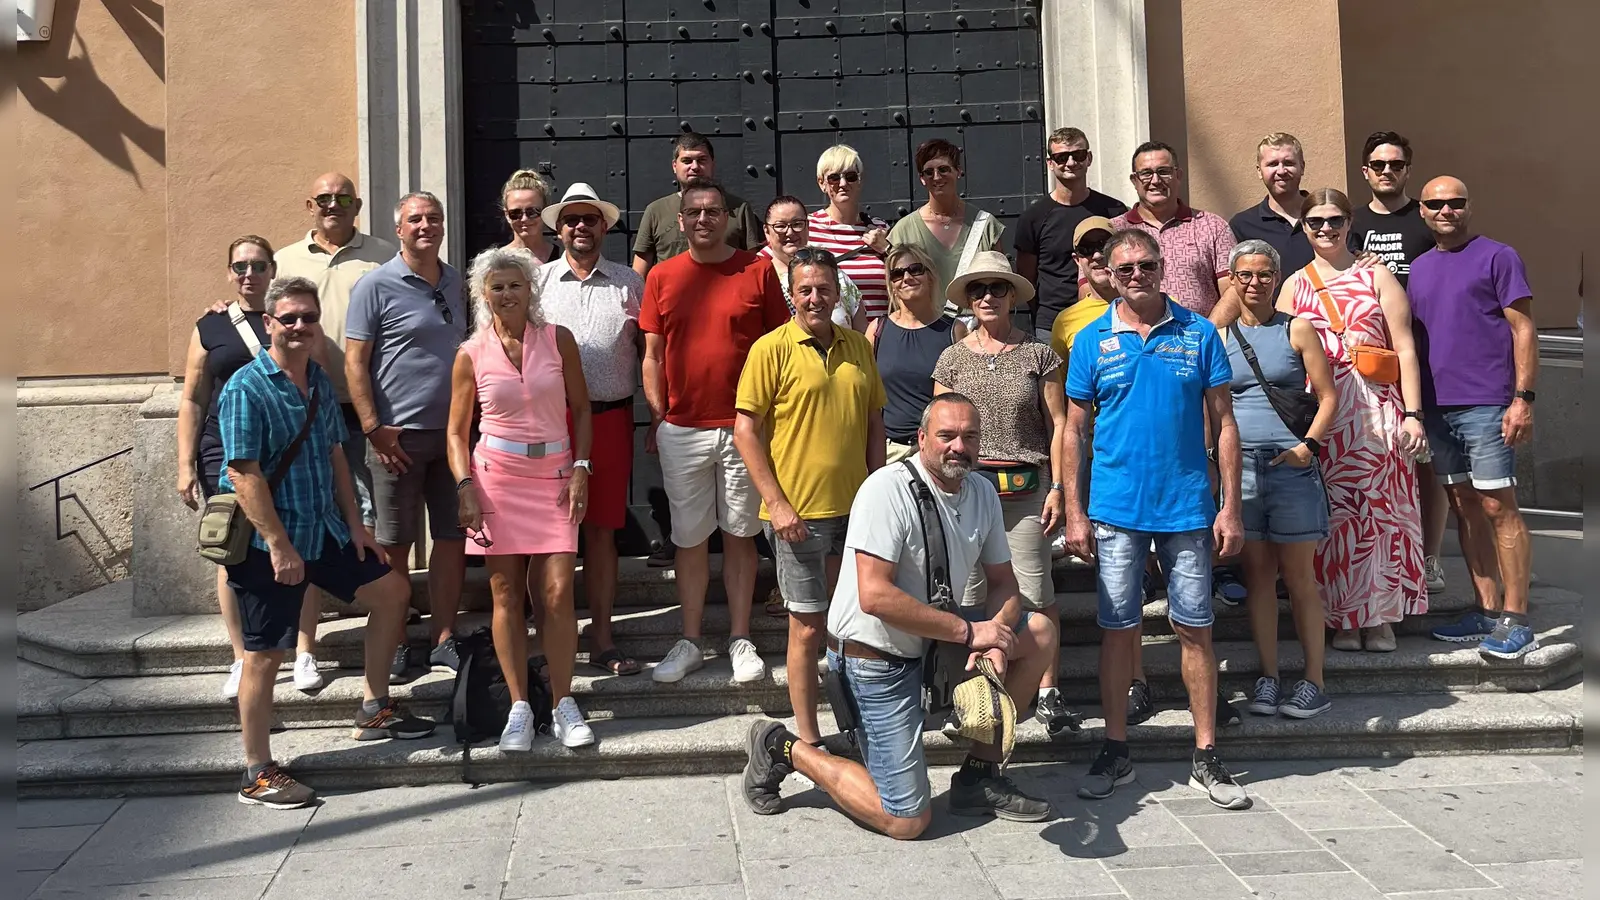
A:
(879, 625)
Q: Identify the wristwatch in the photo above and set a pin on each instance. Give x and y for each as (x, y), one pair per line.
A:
(1413, 414)
(1312, 444)
(584, 465)
(1524, 395)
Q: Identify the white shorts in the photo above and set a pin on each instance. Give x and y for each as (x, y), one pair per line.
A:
(707, 484)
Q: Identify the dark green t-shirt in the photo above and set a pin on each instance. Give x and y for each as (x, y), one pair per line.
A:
(659, 234)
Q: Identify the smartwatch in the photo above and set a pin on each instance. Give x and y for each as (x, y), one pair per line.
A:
(1526, 396)
(1312, 444)
(584, 465)
(1413, 414)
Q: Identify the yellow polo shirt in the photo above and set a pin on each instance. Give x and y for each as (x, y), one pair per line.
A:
(816, 412)
(335, 275)
(1071, 320)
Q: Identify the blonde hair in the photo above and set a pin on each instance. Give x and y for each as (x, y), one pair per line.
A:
(839, 158)
(917, 254)
(526, 180)
(494, 260)
(1281, 139)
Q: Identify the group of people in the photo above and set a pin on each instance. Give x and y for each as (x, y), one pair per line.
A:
(1195, 398)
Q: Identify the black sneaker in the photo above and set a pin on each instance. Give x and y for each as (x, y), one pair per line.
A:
(391, 723)
(998, 796)
(1226, 588)
(1108, 771)
(1140, 706)
(1053, 714)
(400, 666)
(663, 556)
(762, 776)
(1211, 776)
(276, 789)
(1226, 714)
(446, 656)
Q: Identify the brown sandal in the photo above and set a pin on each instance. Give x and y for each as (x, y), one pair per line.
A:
(612, 662)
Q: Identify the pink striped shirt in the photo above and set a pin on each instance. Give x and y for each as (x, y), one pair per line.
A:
(866, 270)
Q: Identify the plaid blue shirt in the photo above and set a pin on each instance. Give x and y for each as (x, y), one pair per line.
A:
(260, 412)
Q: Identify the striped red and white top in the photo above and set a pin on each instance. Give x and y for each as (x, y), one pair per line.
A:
(866, 270)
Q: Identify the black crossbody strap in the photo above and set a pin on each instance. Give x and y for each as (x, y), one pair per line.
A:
(941, 595)
(1255, 366)
(281, 471)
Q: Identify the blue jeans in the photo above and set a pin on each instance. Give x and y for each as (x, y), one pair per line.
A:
(1184, 555)
(1282, 504)
(1466, 444)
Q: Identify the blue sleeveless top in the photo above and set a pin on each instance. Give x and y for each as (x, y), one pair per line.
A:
(1259, 424)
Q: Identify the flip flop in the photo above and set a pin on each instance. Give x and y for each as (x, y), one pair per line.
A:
(612, 662)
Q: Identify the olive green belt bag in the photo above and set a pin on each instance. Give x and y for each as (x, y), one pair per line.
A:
(225, 531)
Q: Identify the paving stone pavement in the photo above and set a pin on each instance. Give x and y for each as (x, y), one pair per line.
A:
(1434, 828)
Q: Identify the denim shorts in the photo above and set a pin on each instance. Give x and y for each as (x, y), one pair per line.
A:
(1282, 504)
(1184, 555)
(803, 567)
(1467, 445)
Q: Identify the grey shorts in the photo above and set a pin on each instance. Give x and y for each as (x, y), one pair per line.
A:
(803, 567)
(399, 499)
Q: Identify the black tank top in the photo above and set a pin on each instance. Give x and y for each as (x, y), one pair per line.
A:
(906, 357)
(226, 354)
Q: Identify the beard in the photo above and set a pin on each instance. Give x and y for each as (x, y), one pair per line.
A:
(955, 467)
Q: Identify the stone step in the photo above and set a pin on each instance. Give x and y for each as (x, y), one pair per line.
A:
(326, 758)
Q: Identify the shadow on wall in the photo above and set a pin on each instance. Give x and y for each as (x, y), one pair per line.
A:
(61, 83)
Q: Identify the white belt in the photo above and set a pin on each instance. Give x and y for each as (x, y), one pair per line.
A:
(533, 451)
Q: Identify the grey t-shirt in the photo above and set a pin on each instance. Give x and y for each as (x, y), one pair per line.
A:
(884, 522)
(413, 344)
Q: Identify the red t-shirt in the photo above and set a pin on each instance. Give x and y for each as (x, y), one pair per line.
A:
(709, 316)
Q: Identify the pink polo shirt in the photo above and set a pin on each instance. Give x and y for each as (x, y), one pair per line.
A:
(1194, 248)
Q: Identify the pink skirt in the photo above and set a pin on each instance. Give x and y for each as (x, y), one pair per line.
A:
(522, 512)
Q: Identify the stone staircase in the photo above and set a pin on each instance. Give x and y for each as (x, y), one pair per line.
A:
(113, 704)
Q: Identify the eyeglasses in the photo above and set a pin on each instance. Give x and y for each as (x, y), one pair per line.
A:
(1394, 165)
(290, 320)
(1317, 223)
(1165, 173)
(915, 270)
(1063, 157)
(932, 171)
(835, 177)
(329, 201)
(999, 290)
(517, 214)
(1252, 277)
(588, 220)
(1089, 248)
(702, 212)
(253, 266)
(1455, 203)
(444, 306)
(788, 227)
(1145, 266)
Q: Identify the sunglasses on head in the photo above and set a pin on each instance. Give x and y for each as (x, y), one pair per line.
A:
(329, 201)
(290, 320)
(931, 171)
(1438, 203)
(1062, 157)
(1090, 246)
(1317, 223)
(1393, 165)
(253, 266)
(1128, 270)
(815, 255)
(999, 290)
(573, 220)
(851, 176)
(443, 306)
(915, 270)
(517, 214)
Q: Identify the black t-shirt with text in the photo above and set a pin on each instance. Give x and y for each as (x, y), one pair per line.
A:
(1045, 230)
(1398, 237)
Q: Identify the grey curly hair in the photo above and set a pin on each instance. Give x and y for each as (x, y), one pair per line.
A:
(494, 260)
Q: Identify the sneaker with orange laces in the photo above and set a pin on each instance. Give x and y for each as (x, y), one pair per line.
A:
(275, 789)
(391, 722)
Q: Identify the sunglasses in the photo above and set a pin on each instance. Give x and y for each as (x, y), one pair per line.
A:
(1128, 270)
(588, 220)
(702, 212)
(835, 177)
(1455, 203)
(815, 255)
(444, 306)
(1064, 156)
(1252, 277)
(253, 266)
(290, 320)
(915, 270)
(932, 171)
(1317, 223)
(1165, 173)
(1393, 165)
(1090, 248)
(329, 201)
(518, 214)
(999, 290)
(477, 536)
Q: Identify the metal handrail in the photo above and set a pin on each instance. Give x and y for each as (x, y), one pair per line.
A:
(60, 498)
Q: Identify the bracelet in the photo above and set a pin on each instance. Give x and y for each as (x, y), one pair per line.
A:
(369, 431)
(968, 643)
(464, 482)
(1058, 486)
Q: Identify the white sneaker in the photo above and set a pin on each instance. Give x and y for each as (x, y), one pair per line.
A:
(747, 664)
(1058, 545)
(566, 723)
(306, 676)
(1433, 574)
(518, 733)
(683, 658)
(230, 688)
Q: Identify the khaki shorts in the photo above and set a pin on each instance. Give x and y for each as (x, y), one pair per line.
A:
(707, 484)
(1030, 556)
(894, 452)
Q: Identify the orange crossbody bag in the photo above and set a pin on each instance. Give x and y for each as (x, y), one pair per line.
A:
(1376, 364)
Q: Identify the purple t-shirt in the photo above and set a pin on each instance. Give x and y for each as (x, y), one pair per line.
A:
(1458, 300)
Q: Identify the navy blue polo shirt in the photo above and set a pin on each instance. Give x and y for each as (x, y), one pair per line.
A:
(1149, 471)
(1259, 222)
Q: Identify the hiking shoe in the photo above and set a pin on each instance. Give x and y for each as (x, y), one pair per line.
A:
(1433, 574)
(998, 796)
(1107, 771)
(747, 664)
(1226, 714)
(1474, 626)
(663, 556)
(230, 687)
(518, 733)
(400, 666)
(306, 676)
(446, 656)
(1264, 699)
(391, 722)
(1509, 641)
(1140, 706)
(566, 723)
(762, 776)
(276, 789)
(1211, 776)
(1226, 588)
(1305, 701)
(684, 657)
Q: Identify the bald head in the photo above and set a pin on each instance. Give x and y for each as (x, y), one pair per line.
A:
(1444, 186)
(1447, 210)
(333, 205)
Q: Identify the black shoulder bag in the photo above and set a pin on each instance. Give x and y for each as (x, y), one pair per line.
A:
(225, 532)
(1297, 409)
(944, 664)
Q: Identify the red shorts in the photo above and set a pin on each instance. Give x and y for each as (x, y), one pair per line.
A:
(611, 454)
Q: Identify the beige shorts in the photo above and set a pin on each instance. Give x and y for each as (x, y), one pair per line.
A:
(1030, 556)
(707, 484)
(894, 452)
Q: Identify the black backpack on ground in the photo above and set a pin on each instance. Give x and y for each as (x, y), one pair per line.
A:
(481, 700)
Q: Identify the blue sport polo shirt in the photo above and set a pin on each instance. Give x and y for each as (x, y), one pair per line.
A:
(1149, 471)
